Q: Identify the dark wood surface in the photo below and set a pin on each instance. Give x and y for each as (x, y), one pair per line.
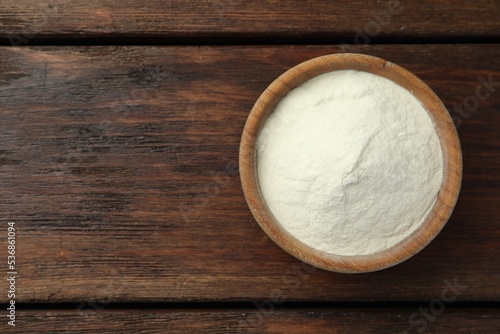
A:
(24, 19)
(119, 167)
(287, 321)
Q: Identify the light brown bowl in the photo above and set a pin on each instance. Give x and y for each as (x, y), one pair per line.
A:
(450, 146)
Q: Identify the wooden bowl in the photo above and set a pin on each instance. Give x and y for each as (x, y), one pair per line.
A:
(450, 146)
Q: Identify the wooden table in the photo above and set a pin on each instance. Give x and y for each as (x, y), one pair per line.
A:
(120, 124)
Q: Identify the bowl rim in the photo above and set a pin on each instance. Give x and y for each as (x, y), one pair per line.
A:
(450, 147)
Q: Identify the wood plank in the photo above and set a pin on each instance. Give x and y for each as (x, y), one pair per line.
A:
(23, 20)
(119, 167)
(289, 321)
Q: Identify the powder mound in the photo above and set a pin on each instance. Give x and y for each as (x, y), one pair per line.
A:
(349, 163)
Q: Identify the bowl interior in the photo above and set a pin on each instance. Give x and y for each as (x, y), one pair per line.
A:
(450, 146)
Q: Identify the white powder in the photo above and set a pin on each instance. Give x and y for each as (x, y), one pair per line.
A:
(349, 163)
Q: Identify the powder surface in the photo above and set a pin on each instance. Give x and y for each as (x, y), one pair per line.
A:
(349, 163)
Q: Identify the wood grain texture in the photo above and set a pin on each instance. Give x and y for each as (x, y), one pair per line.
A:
(119, 166)
(288, 321)
(24, 19)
